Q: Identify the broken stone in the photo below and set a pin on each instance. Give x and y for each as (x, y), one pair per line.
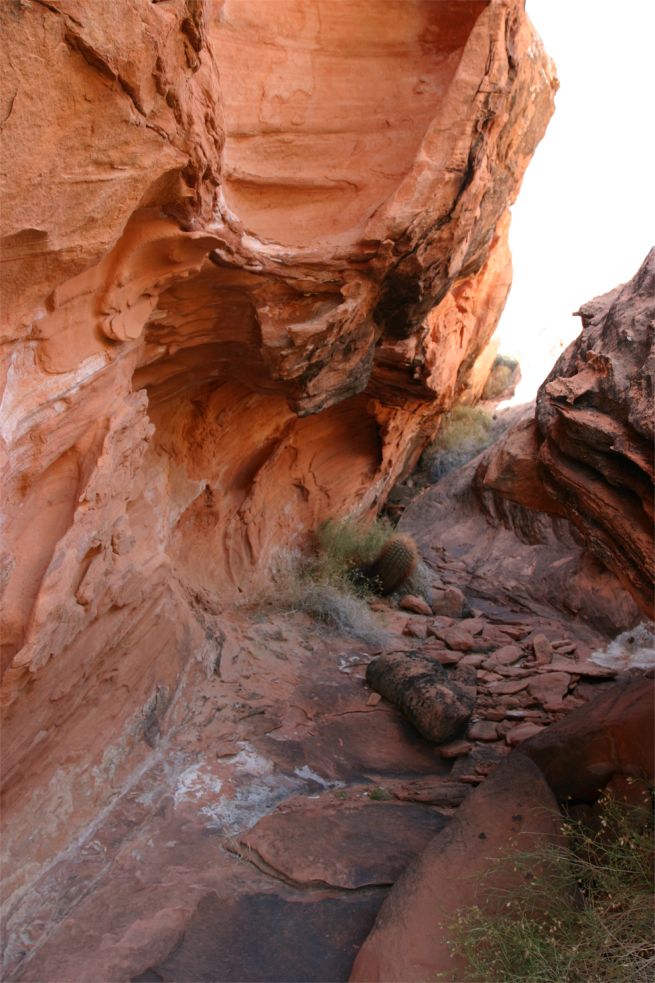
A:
(472, 660)
(564, 646)
(482, 730)
(303, 840)
(588, 669)
(438, 624)
(511, 672)
(449, 602)
(506, 655)
(489, 677)
(491, 714)
(550, 687)
(543, 650)
(410, 602)
(455, 638)
(455, 749)
(433, 791)
(415, 629)
(514, 631)
(522, 732)
(444, 656)
(508, 687)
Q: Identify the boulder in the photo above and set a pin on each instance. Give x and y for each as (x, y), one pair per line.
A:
(437, 703)
(611, 734)
(514, 810)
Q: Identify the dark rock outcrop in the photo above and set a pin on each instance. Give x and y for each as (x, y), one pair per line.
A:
(438, 704)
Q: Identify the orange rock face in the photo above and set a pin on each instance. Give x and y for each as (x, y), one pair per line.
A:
(251, 252)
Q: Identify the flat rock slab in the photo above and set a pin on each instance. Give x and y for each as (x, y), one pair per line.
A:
(268, 937)
(550, 687)
(506, 655)
(514, 810)
(438, 704)
(323, 842)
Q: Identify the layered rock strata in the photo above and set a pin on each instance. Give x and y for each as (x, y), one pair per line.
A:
(588, 454)
(251, 252)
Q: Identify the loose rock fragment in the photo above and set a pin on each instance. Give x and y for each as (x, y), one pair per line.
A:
(438, 704)
(449, 602)
(410, 602)
(522, 732)
(455, 749)
(543, 650)
(482, 730)
(455, 638)
(550, 687)
(506, 655)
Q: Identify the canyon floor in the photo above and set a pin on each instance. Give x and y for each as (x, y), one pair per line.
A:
(265, 830)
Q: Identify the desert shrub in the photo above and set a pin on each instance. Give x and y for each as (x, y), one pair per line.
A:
(344, 548)
(329, 584)
(585, 916)
(464, 432)
(500, 376)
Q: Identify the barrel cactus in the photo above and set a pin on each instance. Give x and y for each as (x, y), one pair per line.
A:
(395, 562)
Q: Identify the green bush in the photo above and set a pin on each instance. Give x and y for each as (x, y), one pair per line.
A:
(583, 914)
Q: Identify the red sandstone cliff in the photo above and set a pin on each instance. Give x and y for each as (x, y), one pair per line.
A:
(251, 251)
(588, 454)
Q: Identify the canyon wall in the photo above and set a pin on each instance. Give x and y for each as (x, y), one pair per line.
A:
(588, 454)
(251, 252)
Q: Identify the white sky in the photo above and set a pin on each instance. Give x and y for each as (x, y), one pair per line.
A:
(585, 216)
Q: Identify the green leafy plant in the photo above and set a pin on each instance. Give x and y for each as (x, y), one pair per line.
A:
(583, 914)
(380, 794)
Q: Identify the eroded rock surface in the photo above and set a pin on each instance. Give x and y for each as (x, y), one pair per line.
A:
(588, 454)
(251, 252)
(410, 939)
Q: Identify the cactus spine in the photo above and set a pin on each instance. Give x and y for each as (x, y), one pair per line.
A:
(395, 562)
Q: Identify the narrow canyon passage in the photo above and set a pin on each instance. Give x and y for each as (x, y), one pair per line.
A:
(254, 255)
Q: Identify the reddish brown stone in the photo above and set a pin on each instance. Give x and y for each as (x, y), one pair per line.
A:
(613, 733)
(512, 810)
(508, 687)
(543, 650)
(455, 638)
(449, 602)
(304, 840)
(506, 655)
(516, 735)
(410, 602)
(482, 730)
(455, 749)
(415, 629)
(550, 687)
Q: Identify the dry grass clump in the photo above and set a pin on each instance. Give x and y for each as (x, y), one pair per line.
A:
(330, 584)
(586, 916)
(464, 432)
(500, 377)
